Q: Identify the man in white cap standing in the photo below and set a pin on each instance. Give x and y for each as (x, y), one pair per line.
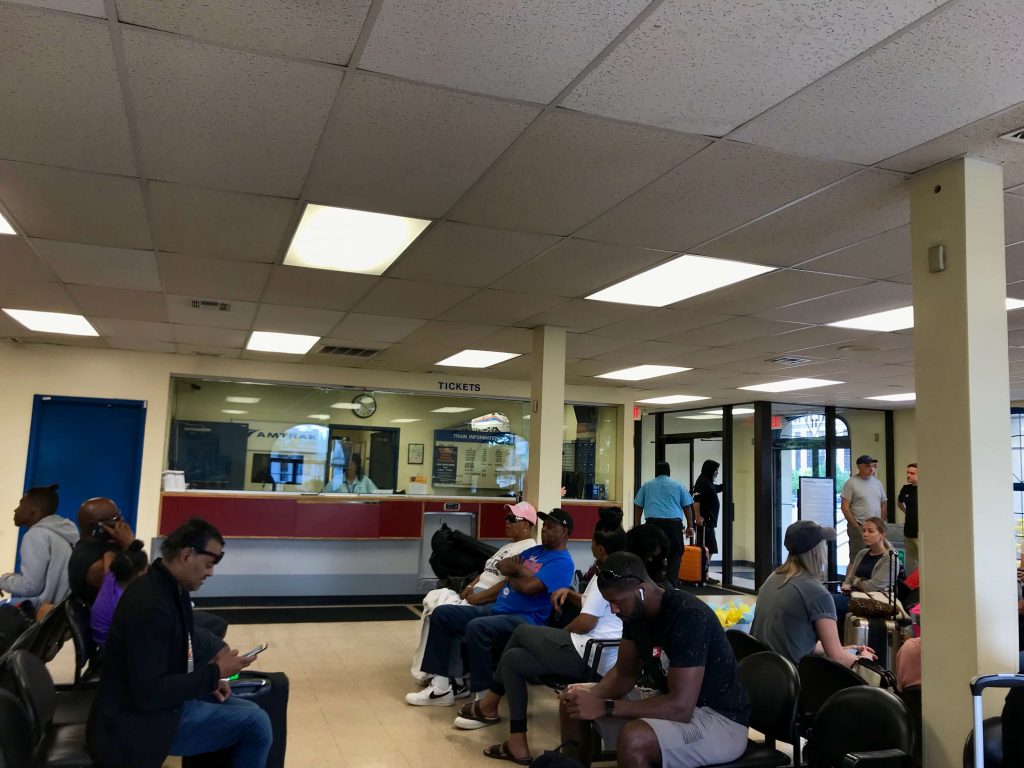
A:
(863, 497)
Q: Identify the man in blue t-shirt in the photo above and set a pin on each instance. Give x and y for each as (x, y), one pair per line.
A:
(664, 502)
(530, 579)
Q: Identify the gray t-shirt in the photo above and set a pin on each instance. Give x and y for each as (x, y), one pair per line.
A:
(786, 611)
(865, 495)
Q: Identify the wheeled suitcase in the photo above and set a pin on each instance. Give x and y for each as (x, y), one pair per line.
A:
(693, 567)
(977, 754)
(882, 635)
(269, 690)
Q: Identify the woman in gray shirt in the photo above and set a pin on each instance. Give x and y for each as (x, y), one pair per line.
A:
(795, 615)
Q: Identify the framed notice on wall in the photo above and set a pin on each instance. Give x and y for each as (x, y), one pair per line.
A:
(817, 500)
(415, 455)
(470, 459)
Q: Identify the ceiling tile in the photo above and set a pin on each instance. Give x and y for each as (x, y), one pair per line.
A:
(466, 255)
(205, 350)
(304, 30)
(375, 328)
(212, 277)
(313, 322)
(581, 316)
(415, 356)
(775, 289)
(409, 149)
(134, 329)
(83, 7)
(567, 168)
(441, 333)
(793, 341)
(499, 307)
(955, 67)
(647, 352)
(511, 340)
(180, 310)
(1013, 210)
(1015, 263)
(102, 266)
(409, 298)
(120, 304)
(527, 51)
(863, 300)
(140, 345)
(726, 185)
(979, 139)
(879, 258)
(39, 295)
(659, 323)
(321, 288)
(861, 206)
(517, 368)
(585, 345)
(705, 66)
(226, 119)
(730, 331)
(708, 358)
(74, 206)
(577, 268)
(62, 101)
(209, 336)
(225, 225)
(17, 258)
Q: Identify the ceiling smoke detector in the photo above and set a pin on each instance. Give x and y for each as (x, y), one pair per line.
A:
(1016, 136)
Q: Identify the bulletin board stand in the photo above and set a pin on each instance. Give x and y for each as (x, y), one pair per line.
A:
(816, 500)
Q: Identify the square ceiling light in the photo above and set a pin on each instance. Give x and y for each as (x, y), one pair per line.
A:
(403, 421)
(672, 399)
(5, 226)
(53, 322)
(477, 358)
(897, 398)
(233, 412)
(345, 406)
(897, 319)
(347, 240)
(791, 385)
(679, 279)
(319, 416)
(1012, 304)
(735, 411)
(451, 409)
(287, 343)
(241, 400)
(700, 417)
(640, 372)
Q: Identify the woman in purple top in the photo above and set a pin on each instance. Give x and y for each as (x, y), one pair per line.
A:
(124, 569)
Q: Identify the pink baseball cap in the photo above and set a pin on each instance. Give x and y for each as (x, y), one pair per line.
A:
(525, 510)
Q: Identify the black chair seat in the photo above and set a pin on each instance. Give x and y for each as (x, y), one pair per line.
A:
(64, 747)
(72, 707)
(758, 755)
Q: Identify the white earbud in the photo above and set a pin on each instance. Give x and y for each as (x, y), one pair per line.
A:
(641, 594)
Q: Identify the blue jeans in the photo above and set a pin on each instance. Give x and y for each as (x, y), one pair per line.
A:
(842, 602)
(480, 628)
(208, 726)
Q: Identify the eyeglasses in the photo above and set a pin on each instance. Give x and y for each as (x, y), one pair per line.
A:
(217, 556)
(514, 519)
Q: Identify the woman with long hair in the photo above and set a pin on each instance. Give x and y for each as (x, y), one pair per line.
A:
(871, 569)
(795, 615)
(706, 508)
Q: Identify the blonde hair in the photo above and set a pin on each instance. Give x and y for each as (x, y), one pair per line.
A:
(812, 562)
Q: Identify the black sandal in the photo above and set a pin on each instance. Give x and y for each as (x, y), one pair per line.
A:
(502, 752)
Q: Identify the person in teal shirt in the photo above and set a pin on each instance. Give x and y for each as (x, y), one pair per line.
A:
(354, 481)
(664, 502)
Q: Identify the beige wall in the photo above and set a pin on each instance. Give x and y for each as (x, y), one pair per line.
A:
(743, 487)
(30, 369)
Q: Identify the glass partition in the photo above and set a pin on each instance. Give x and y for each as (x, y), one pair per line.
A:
(589, 451)
(798, 450)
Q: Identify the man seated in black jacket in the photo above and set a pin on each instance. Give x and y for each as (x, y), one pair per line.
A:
(153, 701)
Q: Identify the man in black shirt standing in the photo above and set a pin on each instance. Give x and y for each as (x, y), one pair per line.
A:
(907, 501)
(697, 713)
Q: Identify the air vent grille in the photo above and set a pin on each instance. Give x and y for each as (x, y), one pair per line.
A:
(1015, 136)
(212, 306)
(789, 360)
(363, 353)
(199, 353)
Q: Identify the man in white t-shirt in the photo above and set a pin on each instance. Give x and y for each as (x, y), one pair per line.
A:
(519, 526)
(863, 497)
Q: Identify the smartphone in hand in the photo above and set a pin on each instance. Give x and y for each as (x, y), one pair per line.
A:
(257, 650)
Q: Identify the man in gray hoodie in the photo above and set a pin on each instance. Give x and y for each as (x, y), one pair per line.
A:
(45, 550)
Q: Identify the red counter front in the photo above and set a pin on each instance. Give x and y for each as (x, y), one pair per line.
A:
(296, 516)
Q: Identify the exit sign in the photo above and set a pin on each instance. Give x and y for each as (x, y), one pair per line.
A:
(776, 422)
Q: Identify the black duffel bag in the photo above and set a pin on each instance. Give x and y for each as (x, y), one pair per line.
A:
(454, 554)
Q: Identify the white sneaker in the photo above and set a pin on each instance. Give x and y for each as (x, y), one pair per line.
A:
(428, 697)
(460, 689)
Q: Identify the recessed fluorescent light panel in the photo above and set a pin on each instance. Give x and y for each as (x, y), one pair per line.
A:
(1012, 304)
(640, 372)
(5, 226)
(735, 411)
(346, 240)
(679, 279)
(791, 385)
(890, 320)
(288, 343)
(477, 358)
(319, 416)
(700, 417)
(233, 412)
(243, 400)
(451, 409)
(900, 398)
(672, 399)
(53, 322)
(345, 406)
(403, 421)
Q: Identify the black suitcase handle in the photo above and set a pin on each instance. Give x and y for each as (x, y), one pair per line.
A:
(1005, 680)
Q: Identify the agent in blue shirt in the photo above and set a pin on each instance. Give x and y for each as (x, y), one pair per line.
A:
(664, 502)
(531, 578)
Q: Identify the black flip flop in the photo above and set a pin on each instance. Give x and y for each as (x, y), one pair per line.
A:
(502, 752)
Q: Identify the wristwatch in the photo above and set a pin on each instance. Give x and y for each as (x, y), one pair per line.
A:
(609, 707)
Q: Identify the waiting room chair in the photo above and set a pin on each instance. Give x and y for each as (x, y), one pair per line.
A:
(993, 735)
(912, 698)
(15, 732)
(53, 632)
(87, 653)
(861, 726)
(743, 644)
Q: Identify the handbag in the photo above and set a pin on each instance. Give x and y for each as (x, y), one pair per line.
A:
(875, 674)
(873, 605)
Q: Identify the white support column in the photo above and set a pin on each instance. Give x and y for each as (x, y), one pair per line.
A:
(547, 401)
(962, 374)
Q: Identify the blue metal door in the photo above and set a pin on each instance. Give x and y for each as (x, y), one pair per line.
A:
(91, 447)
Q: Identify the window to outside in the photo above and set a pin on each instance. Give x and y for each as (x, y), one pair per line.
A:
(1017, 455)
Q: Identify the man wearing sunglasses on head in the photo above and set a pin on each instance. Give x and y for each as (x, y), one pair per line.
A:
(156, 697)
(519, 522)
(695, 711)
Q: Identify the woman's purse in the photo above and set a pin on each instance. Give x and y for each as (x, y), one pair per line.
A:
(873, 605)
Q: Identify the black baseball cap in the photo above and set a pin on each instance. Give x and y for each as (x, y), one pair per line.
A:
(557, 515)
(804, 535)
(865, 459)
